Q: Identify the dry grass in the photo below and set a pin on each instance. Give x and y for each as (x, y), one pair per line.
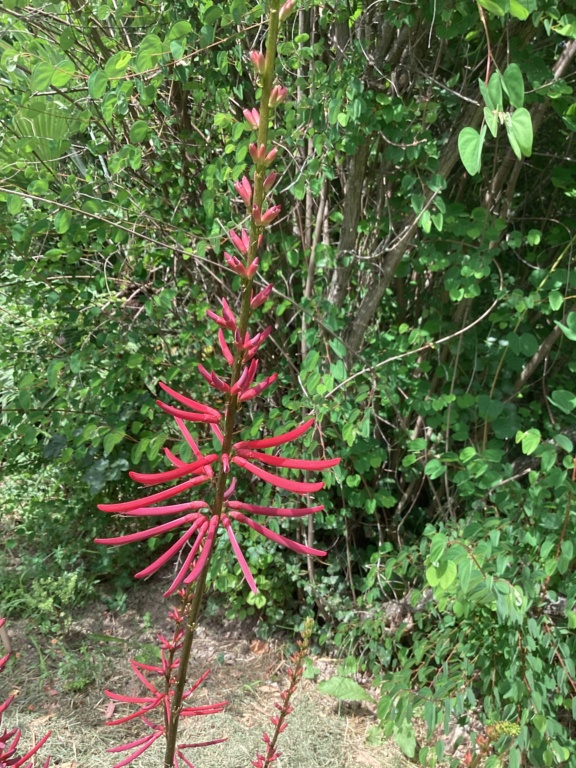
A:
(58, 687)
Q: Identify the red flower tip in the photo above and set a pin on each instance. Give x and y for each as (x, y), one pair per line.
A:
(266, 218)
(277, 95)
(258, 61)
(259, 299)
(252, 117)
(261, 156)
(244, 189)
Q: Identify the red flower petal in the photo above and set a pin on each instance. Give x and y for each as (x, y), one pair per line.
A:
(204, 418)
(239, 555)
(277, 537)
(183, 572)
(271, 442)
(155, 531)
(160, 561)
(172, 474)
(274, 511)
(282, 461)
(206, 549)
(279, 482)
(196, 406)
(126, 506)
(170, 509)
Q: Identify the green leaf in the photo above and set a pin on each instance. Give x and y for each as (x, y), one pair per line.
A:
(568, 330)
(405, 739)
(470, 144)
(518, 10)
(112, 439)
(150, 51)
(14, 204)
(53, 371)
(344, 689)
(448, 573)
(62, 73)
(497, 7)
(139, 131)
(513, 84)
(564, 400)
(495, 90)
(530, 440)
(178, 30)
(555, 299)
(491, 119)
(97, 84)
(62, 221)
(116, 65)
(522, 130)
(41, 76)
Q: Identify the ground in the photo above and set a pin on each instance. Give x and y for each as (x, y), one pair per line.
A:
(59, 682)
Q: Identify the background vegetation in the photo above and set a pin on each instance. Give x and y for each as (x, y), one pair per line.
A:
(425, 315)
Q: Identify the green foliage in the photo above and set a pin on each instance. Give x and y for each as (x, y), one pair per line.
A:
(424, 317)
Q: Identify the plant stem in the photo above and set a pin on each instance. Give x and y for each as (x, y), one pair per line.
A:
(192, 613)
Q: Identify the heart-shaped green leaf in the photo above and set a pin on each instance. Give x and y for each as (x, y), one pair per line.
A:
(470, 144)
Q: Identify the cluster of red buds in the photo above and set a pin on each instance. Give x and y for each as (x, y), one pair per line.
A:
(217, 470)
(284, 706)
(10, 738)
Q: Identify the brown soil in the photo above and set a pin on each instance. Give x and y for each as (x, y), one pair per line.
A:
(58, 684)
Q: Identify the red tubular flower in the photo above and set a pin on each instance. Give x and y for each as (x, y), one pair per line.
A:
(241, 241)
(259, 299)
(244, 189)
(252, 117)
(258, 61)
(266, 218)
(261, 156)
(277, 95)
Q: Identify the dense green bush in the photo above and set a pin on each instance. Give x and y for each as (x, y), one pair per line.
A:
(424, 315)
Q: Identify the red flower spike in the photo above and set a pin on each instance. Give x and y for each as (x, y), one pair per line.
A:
(281, 461)
(272, 442)
(127, 506)
(261, 297)
(278, 482)
(193, 404)
(295, 546)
